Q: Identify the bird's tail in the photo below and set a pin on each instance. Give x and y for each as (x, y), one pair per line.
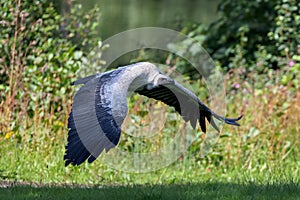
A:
(231, 121)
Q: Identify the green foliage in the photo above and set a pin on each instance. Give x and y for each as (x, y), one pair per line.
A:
(41, 51)
(242, 25)
(255, 34)
(251, 36)
(287, 34)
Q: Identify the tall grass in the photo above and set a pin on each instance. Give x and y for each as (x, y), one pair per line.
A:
(263, 149)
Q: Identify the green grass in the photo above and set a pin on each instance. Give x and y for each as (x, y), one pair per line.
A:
(38, 174)
(210, 190)
(43, 163)
(258, 160)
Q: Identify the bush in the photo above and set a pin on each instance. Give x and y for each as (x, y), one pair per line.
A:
(251, 36)
(255, 34)
(41, 50)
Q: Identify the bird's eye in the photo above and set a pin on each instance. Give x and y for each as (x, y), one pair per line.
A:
(149, 86)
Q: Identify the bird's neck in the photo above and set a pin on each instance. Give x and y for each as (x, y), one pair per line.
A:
(137, 75)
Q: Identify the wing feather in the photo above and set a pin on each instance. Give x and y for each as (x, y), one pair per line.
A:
(92, 127)
(186, 104)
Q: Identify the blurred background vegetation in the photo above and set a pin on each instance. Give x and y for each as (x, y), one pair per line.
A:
(256, 43)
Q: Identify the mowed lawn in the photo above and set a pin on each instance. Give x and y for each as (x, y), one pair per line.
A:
(212, 190)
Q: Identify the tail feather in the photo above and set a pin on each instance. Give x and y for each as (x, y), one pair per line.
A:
(232, 121)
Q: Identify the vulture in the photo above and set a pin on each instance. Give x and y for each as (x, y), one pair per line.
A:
(100, 107)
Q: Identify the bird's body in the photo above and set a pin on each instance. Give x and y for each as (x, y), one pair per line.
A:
(100, 108)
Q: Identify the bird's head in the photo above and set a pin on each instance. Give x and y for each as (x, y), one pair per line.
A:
(160, 79)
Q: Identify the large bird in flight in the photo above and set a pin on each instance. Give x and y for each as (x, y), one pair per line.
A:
(100, 107)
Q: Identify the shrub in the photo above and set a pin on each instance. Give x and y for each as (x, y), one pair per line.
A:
(255, 34)
(41, 50)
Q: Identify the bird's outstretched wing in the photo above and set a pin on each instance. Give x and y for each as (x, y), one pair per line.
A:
(186, 104)
(92, 127)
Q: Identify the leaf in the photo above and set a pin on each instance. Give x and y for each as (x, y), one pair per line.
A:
(38, 60)
(78, 54)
